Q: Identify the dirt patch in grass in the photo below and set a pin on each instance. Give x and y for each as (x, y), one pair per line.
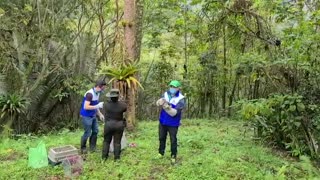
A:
(11, 156)
(157, 171)
(284, 154)
(56, 178)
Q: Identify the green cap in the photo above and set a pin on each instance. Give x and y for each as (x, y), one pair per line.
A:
(175, 83)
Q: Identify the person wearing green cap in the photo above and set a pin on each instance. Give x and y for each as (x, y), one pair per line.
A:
(172, 102)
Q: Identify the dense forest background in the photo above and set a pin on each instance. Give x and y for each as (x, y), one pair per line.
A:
(253, 60)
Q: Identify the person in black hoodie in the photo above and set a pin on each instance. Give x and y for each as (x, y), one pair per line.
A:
(114, 124)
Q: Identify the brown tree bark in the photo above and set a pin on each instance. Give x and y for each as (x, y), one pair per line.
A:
(224, 92)
(133, 12)
(231, 97)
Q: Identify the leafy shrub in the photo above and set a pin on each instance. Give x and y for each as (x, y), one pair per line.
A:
(286, 121)
(11, 106)
(303, 170)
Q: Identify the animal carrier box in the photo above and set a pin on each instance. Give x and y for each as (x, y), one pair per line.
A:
(73, 166)
(57, 154)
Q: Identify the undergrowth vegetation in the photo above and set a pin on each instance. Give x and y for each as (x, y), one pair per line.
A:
(289, 122)
(208, 149)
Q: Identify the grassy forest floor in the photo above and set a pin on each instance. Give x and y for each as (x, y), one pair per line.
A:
(208, 149)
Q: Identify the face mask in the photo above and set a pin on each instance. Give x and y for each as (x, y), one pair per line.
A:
(172, 90)
(98, 92)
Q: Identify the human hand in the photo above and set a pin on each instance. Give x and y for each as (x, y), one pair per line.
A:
(100, 105)
(166, 106)
(101, 117)
(160, 102)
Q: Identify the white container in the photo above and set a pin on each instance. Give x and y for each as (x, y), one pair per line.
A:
(124, 143)
(57, 154)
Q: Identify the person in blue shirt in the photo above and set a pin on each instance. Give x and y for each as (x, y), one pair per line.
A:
(172, 103)
(89, 111)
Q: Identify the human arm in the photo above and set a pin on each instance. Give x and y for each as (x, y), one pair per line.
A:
(161, 101)
(87, 105)
(101, 116)
(177, 109)
(181, 105)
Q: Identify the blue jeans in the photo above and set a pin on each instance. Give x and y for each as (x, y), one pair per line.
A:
(90, 125)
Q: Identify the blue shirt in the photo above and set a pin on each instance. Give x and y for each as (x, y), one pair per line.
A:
(94, 101)
(177, 102)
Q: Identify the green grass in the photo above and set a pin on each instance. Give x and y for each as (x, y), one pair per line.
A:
(208, 149)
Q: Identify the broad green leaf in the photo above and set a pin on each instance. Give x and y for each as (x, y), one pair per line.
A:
(71, 24)
(301, 107)
(292, 108)
(2, 12)
(28, 7)
(297, 124)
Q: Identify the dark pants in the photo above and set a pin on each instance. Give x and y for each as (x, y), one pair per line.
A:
(91, 130)
(112, 128)
(163, 131)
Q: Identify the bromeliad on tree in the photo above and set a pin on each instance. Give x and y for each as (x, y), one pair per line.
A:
(123, 77)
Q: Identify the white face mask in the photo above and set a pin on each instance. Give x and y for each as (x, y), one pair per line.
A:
(97, 92)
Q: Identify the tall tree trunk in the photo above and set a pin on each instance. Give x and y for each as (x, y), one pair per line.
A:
(224, 93)
(211, 96)
(233, 94)
(133, 12)
(256, 86)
